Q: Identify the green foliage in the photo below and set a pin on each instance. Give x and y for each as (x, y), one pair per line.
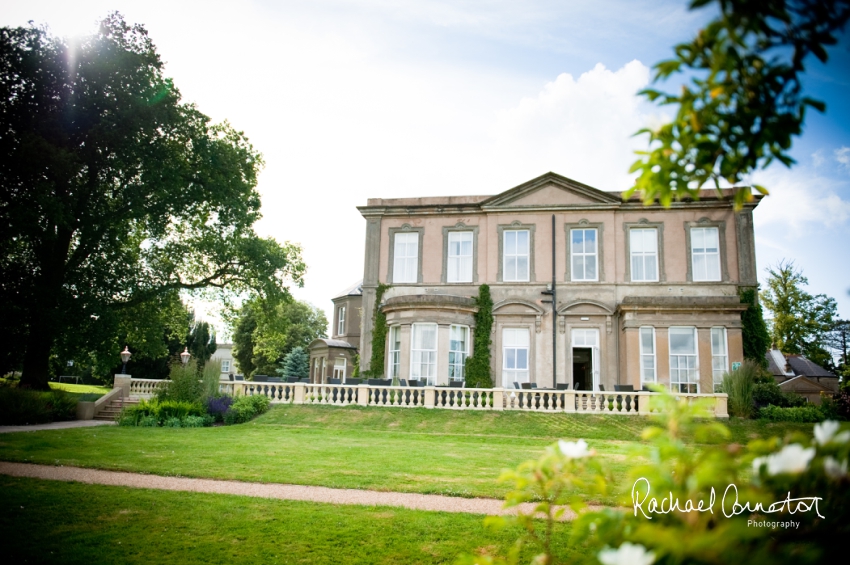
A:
(669, 470)
(184, 386)
(800, 321)
(744, 103)
(296, 364)
(756, 339)
(477, 369)
(210, 379)
(137, 196)
(379, 336)
(265, 332)
(245, 408)
(740, 386)
(201, 343)
(166, 413)
(802, 414)
(20, 406)
(766, 393)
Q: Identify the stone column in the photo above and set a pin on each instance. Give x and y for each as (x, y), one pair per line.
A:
(370, 283)
(123, 382)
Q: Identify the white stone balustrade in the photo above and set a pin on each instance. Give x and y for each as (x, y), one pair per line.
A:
(529, 400)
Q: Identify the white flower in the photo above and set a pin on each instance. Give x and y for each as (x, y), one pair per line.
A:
(835, 469)
(792, 459)
(825, 433)
(574, 449)
(627, 554)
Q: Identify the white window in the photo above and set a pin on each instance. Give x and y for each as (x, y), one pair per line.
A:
(583, 252)
(423, 353)
(514, 356)
(406, 257)
(647, 355)
(459, 261)
(395, 352)
(719, 355)
(339, 368)
(643, 245)
(516, 255)
(458, 351)
(684, 375)
(340, 322)
(225, 366)
(705, 254)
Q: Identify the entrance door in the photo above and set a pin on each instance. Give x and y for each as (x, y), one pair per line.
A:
(585, 348)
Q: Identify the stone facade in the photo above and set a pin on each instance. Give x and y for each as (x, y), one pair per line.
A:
(629, 280)
(335, 357)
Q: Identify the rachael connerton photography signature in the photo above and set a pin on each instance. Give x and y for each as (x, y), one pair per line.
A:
(730, 504)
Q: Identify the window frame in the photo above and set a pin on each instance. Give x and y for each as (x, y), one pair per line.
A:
(340, 320)
(721, 238)
(584, 254)
(695, 370)
(447, 231)
(724, 356)
(394, 355)
(600, 251)
(430, 379)
(405, 229)
(653, 354)
(455, 367)
(225, 368)
(659, 250)
(505, 369)
(516, 226)
(336, 368)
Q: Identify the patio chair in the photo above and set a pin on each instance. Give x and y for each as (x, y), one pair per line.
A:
(275, 380)
(353, 381)
(415, 382)
(375, 382)
(292, 379)
(261, 378)
(304, 380)
(624, 388)
(516, 385)
(334, 381)
(403, 382)
(239, 377)
(601, 388)
(455, 383)
(230, 376)
(562, 386)
(533, 385)
(525, 386)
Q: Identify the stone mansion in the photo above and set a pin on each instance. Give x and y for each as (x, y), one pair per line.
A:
(643, 294)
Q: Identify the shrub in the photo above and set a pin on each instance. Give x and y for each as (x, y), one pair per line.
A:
(246, 407)
(217, 407)
(765, 393)
(184, 386)
(172, 422)
(477, 367)
(21, 406)
(210, 379)
(802, 414)
(147, 422)
(177, 409)
(739, 385)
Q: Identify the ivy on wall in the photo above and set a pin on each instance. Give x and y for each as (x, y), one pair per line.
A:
(379, 335)
(478, 364)
(754, 332)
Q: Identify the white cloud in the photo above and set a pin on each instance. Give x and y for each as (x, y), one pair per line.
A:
(580, 128)
(800, 199)
(817, 158)
(842, 155)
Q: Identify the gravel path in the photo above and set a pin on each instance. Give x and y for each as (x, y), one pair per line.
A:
(55, 426)
(430, 502)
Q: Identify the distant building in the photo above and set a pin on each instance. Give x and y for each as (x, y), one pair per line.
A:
(334, 357)
(797, 374)
(645, 294)
(224, 353)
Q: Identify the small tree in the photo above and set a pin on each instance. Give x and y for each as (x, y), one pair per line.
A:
(478, 364)
(379, 335)
(296, 364)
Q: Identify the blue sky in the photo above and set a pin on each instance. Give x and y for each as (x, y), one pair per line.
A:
(377, 98)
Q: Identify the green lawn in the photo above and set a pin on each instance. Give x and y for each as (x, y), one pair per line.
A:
(80, 389)
(408, 450)
(56, 522)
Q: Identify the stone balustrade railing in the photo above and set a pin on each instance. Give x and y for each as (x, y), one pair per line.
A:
(530, 400)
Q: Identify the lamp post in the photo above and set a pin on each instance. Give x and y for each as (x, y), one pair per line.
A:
(125, 356)
(184, 357)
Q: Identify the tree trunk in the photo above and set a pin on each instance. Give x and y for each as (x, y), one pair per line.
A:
(44, 319)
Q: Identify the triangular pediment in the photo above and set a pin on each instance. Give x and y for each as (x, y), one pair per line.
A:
(551, 190)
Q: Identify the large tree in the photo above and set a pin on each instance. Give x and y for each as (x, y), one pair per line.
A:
(113, 192)
(744, 101)
(799, 321)
(265, 333)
